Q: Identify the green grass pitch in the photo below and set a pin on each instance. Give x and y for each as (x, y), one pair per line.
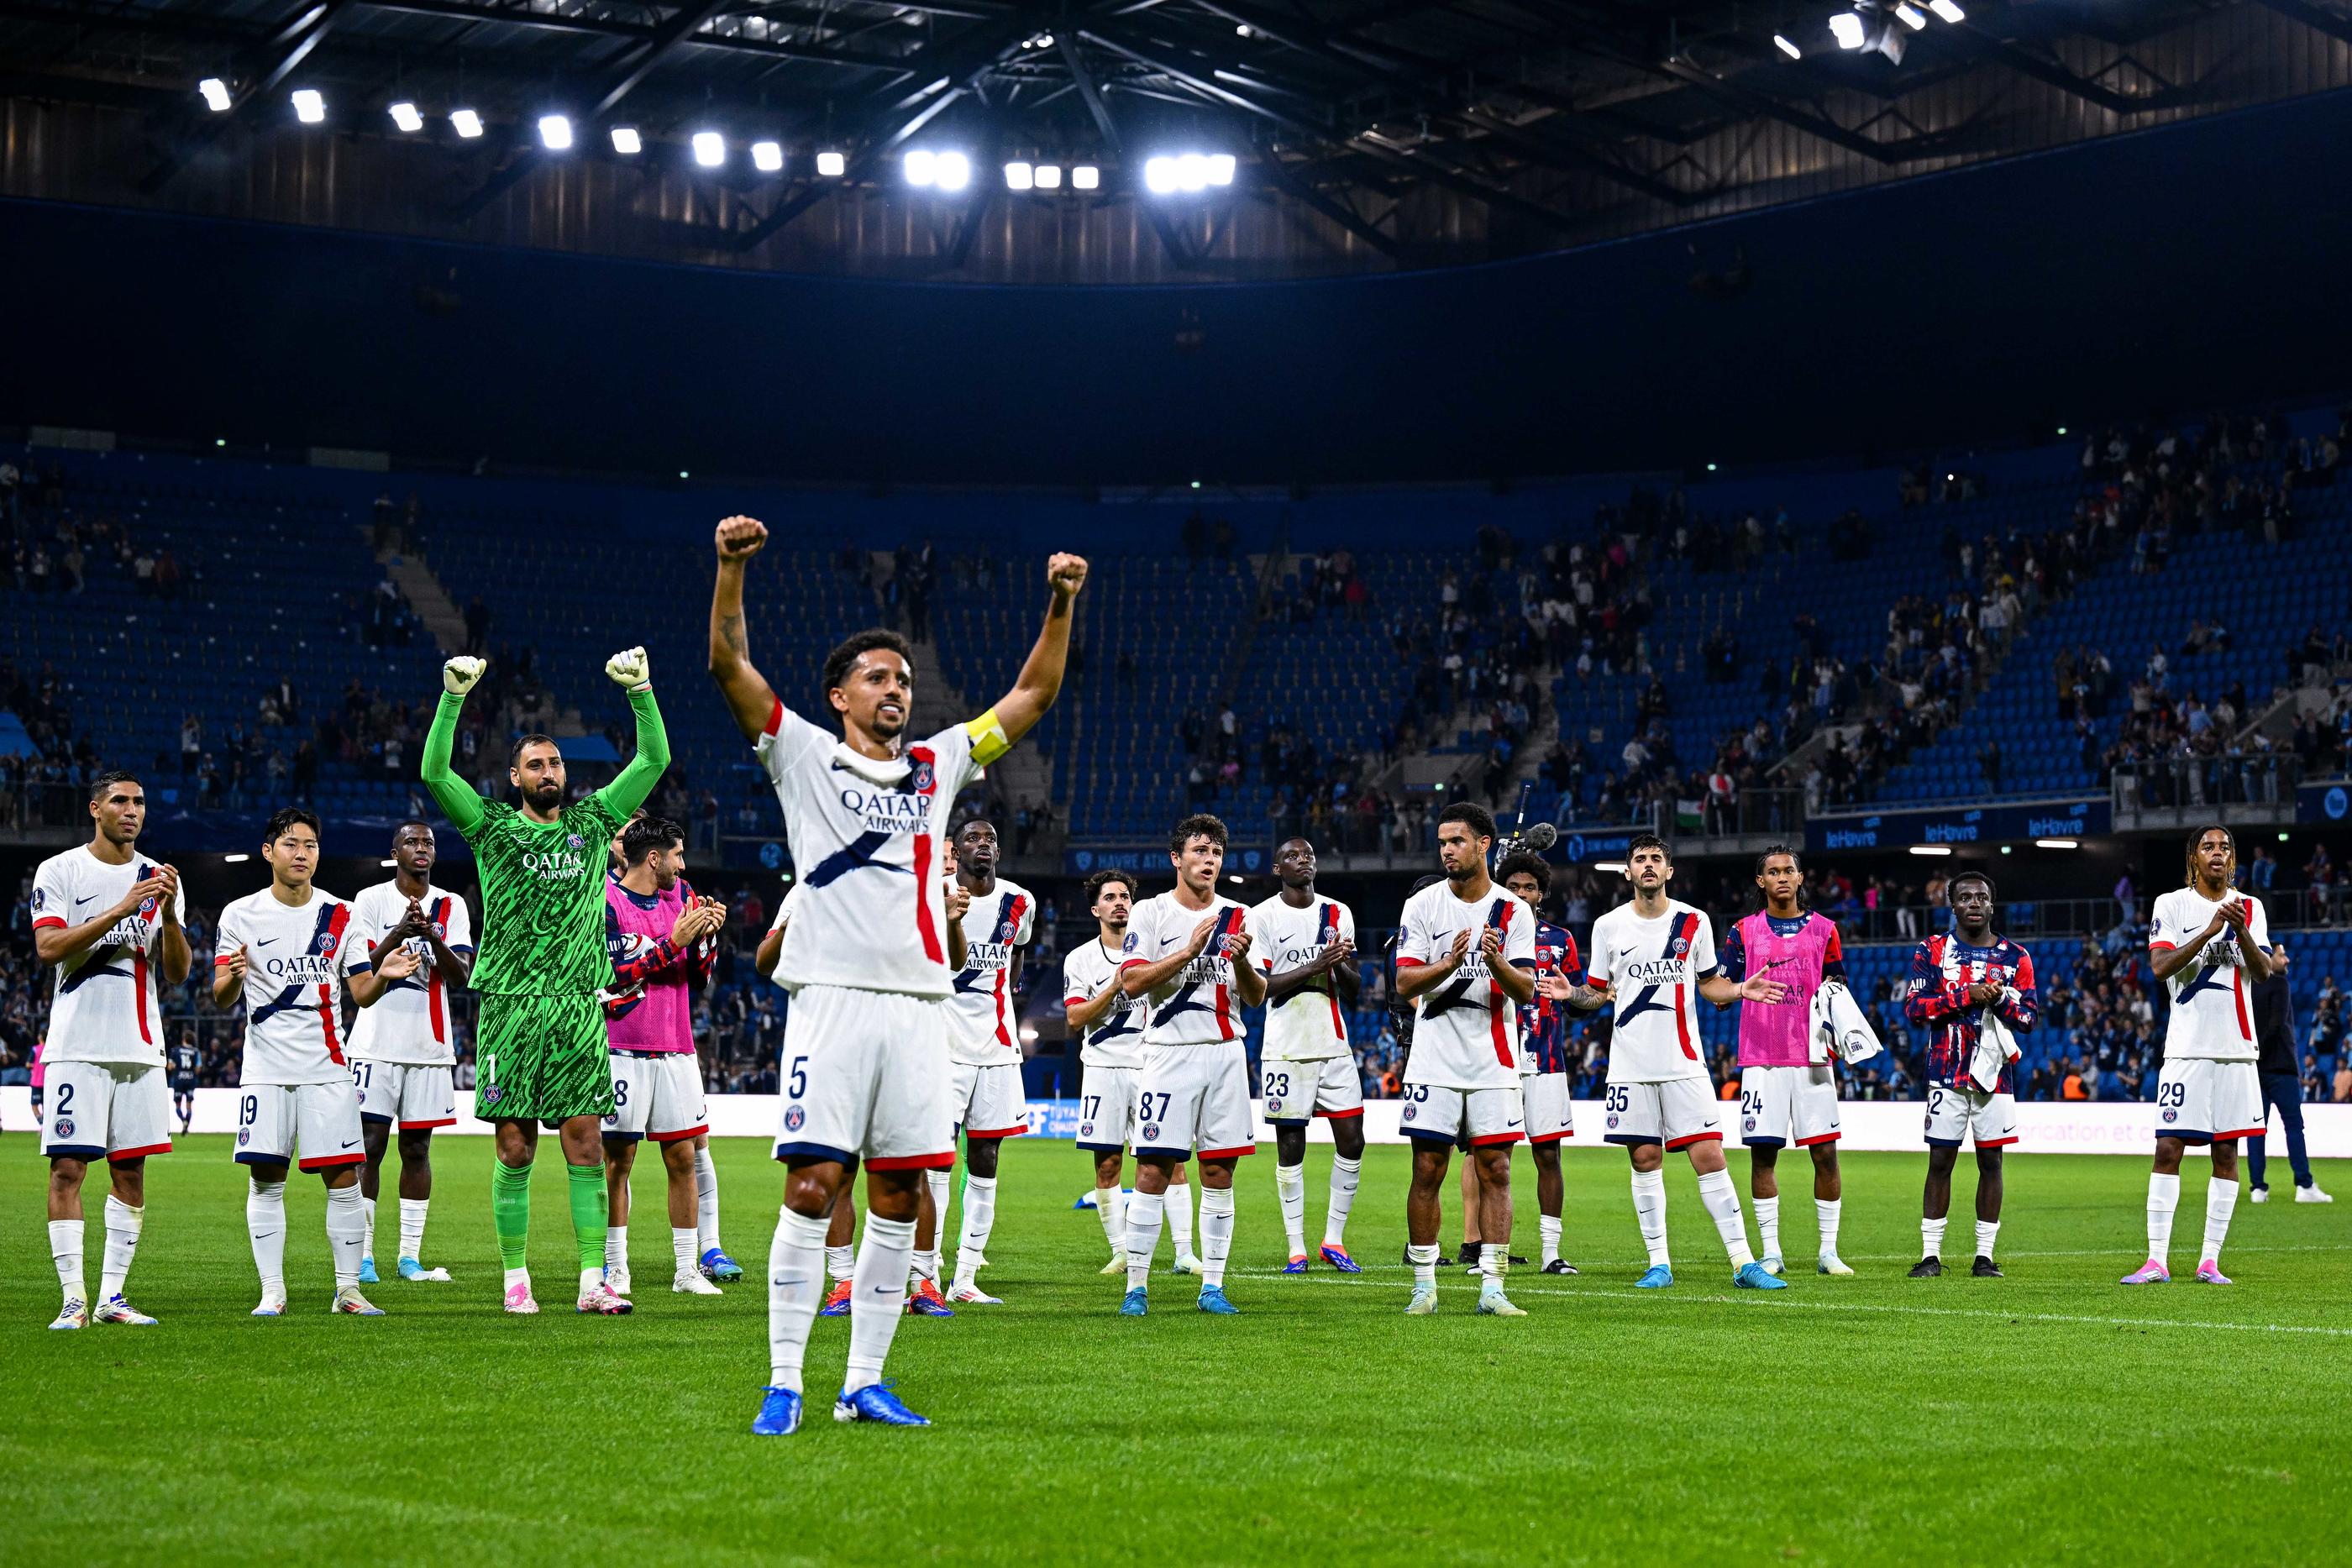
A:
(2050, 1417)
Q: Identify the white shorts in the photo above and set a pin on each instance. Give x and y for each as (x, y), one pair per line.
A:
(1107, 1107)
(1195, 1099)
(120, 1110)
(865, 1074)
(411, 1094)
(987, 1101)
(1437, 1115)
(1989, 1120)
(658, 1093)
(1550, 1116)
(2197, 1100)
(1783, 1105)
(320, 1119)
(1298, 1092)
(1676, 1112)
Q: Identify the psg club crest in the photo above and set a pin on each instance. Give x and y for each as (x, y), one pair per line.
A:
(1408, 1112)
(65, 1128)
(146, 909)
(244, 1136)
(1086, 1129)
(362, 1098)
(492, 1095)
(1682, 946)
(1748, 1126)
(794, 1118)
(326, 945)
(920, 777)
(571, 841)
(1152, 1132)
(1613, 1121)
(1273, 1105)
(611, 1121)
(2172, 1116)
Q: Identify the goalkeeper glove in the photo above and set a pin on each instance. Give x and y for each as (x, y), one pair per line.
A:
(459, 675)
(627, 669)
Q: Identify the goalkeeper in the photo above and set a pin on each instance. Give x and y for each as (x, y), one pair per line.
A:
(539, 1047)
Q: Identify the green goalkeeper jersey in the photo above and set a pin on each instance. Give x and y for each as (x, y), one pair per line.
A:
(542, 931)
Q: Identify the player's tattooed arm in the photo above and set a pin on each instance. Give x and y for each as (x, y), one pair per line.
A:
(1723, 990)
(1588, 997)
(748, 694)
(1040, 680)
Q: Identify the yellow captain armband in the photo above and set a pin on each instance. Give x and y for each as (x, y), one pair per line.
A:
(989, 740)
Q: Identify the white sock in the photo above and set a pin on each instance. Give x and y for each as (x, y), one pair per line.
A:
(2220, 1200)
(1768, 1225)
(1493, 1262)
(1721, 1201)
(65, 1250)
(1290, 1186)
(1424, 1267)
(2163, 1197)
(1548, 1223)
(1931, 1237)
(1987, 1230)
(411, 1225)
(617, 1246)
(841, 1263)
(937, 1181)
(794, 1285)
(1216, 1233)
(265, 1225)
(683, 1248)
(1144, 1211)
(123, 1223)
(1345, 1175)
(516, 1277)
(1177, 1203)
(878, 1297)
(1828, 1210)
(926, 1266)
(1110, 1207)
(346, 1232)
(368, 1205)
(979, 1220)
(706, 1201)
(1650, 1212)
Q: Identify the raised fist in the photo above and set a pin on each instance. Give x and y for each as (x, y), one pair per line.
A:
(627, 669)
(1065, 574)
(459, 673)
(740, 539)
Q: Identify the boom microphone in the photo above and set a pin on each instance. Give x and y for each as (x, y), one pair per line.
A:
(1541, 837)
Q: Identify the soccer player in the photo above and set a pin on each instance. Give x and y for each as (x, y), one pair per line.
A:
(984, 1040)
(1109, 1023)
(284, 951)
(1467, 957)
(1956, 981)
(2209, 944)
(1648, 958)
(404, 1048)
(110, 920)
(1187, 955)
(184, 1059)
(1543, 1050)
(540, 1045)
(1305, 943)
(1783, 1099)
(660, 937)
(715, 1264)
(866, 1042)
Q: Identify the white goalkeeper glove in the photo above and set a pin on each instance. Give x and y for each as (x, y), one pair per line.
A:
(459, 675)
(627, 669)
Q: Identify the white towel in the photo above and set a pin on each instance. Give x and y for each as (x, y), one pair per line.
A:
(1838, 1026)
(1996, 1048)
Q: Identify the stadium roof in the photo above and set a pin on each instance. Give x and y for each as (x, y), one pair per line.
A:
(1373, 134)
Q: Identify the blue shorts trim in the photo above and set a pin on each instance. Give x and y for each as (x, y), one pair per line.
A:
(252, 1159)
(1425, 1135)
(76, 1151)
(1943, 1143)
(2197, 1139)
(1179, 1155)
(371, 1116)
(814, 1152)
(1119, 1147)
(622, 1137)
(1630, 1140)
(1301, 1122)
(1764, 1143)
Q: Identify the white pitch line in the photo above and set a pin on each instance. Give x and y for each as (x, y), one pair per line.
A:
(1889, 1307)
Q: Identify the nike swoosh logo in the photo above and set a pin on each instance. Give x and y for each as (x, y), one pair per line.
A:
(265, 941)
(354, 1145)
(79, 902)
(1506, 1124)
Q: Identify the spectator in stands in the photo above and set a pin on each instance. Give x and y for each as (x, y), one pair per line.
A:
(2319, 879)
(477, 626)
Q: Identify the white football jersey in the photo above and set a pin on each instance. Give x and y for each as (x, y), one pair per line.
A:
(1307, 1025)
(1654, 967)
(982, 1029)
(104, 1006)
(410, 1023)
(2213, 1007)
(1465, 1034)
(1117, 1038)
(1197, 1005)
(295, 954)
(867, 837)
